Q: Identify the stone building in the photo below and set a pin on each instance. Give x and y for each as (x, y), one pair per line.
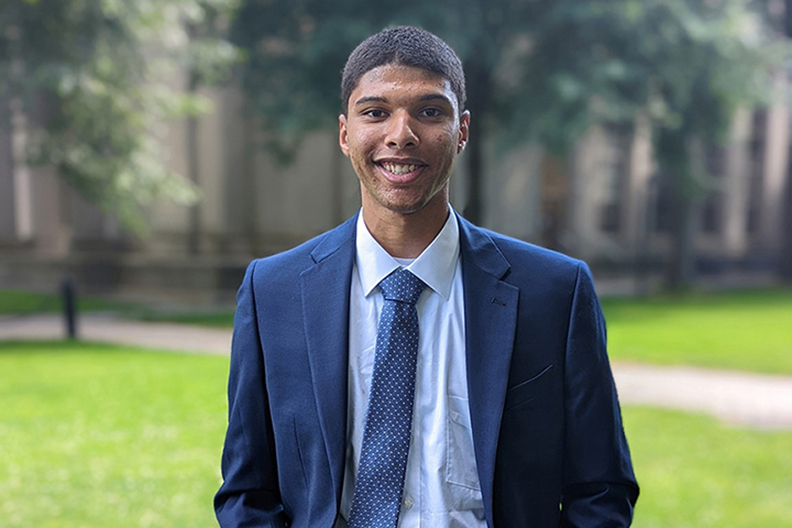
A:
(604, 204)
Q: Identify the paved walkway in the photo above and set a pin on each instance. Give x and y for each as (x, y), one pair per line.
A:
(756, 400)
(110, 329)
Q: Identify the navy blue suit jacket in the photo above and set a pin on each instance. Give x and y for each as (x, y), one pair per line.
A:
(548, 439)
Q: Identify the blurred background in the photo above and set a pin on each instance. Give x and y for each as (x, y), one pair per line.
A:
(150, 148)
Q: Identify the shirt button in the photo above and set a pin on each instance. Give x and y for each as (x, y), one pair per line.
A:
(408, 502)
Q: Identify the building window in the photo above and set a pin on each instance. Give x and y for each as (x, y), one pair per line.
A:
(610, 217)
(712, 211)
(664, 205)
(616, 169)
(756, 169)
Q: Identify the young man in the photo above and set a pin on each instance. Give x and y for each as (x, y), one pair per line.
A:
(408, 368)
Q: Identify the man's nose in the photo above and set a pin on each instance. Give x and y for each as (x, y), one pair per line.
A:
(401, 132)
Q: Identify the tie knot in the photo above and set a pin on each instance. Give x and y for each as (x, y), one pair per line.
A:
(402, 286)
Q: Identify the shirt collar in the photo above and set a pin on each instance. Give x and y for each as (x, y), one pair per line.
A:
(435, 266)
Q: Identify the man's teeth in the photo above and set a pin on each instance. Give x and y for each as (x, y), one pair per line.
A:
(398, 168)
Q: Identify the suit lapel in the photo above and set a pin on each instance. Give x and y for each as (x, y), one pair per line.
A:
(325, 301)
(490, 323)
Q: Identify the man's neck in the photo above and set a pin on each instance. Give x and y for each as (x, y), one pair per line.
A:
(405, 235)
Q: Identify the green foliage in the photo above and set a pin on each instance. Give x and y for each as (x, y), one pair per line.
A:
(295, 52)
(98, 81)
(543, 71)
(720, 58)
(13, 302)
(695, 472)
(696, 63)
(99, 436)
(742, 330)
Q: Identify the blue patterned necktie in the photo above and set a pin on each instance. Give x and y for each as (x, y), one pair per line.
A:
(376, 500)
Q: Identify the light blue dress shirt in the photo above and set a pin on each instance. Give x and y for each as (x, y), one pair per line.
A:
(442, 488)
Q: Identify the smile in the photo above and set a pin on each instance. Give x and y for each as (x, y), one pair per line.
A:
(400, 169)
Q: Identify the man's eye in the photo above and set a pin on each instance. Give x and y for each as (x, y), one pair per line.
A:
(431, 112)
(375, 113)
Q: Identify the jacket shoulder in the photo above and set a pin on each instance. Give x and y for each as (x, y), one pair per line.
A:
(524, 258)
(290, 263)
(520, 249)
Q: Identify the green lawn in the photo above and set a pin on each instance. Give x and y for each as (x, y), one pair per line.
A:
(98, 436)
(95, 436)
(14, 302)
(695, 472)
(743, 330)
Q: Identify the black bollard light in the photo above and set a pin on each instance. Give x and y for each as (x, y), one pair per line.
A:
(69, 307)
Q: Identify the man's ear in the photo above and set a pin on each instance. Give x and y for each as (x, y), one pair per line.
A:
(464, 128)
(342, 134)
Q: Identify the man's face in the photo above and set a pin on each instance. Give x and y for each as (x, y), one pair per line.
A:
(402, 132)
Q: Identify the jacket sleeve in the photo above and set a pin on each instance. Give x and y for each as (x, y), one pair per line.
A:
(249, 495)
(599, 487)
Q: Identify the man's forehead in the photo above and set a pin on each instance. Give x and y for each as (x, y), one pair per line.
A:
(423, 84)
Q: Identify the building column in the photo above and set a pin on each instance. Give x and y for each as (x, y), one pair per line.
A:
(23, 195)
(7, 196)
(736, 181)
(636, 219)
(776, 161)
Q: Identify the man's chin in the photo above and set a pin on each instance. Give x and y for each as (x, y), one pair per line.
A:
(406, 207)
(405, 211)
(404, 202)
(403, 206)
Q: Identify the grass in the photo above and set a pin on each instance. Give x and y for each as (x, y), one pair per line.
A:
(97, 436)
(695, 472)
(749, 330)
(14, 302)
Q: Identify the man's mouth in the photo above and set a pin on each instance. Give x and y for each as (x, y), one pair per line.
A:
(400, 169)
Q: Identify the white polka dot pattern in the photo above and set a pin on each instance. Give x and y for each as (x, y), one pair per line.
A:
(379, 486)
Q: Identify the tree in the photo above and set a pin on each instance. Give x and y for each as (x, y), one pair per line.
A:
(539, 72)
(531, 71)
(786, 251)
(686, 64)
(95, 79)
(709, 59)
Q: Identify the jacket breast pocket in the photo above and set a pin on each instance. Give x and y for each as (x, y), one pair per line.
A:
(529, 391)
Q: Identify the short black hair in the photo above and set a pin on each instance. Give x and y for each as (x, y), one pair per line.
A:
(408, 46)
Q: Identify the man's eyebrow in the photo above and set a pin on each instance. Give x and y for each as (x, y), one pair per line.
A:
(434, 96)
(423, 98)
(370, 99)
